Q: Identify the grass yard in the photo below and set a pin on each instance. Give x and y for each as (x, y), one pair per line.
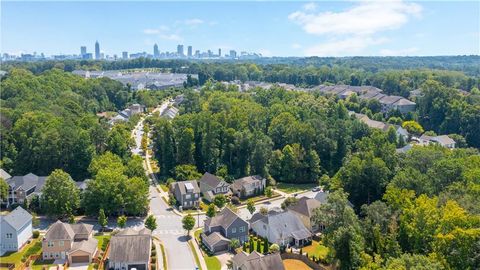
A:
(39, 264)
(197, 234)
(291, 188)
(197, 260)
(212, 263)
(295, 265)
(34, 248)
(103, 241)
(164, 257)
(164, 187)
(316, 249)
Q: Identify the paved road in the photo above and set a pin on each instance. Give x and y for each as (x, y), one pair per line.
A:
(169, 225)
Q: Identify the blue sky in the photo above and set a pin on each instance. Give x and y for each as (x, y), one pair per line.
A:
(322, 28)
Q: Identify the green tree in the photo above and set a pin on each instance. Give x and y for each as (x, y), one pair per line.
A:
(60, 195)
(251, 206)
(102, 219)
(220, 200)
(211, 210)
(186, 172)
(234, 244)
(413, 127)
(151, 222)
(172, 201)
(268, 192)
(185, 146)
(121, 221)
(274, 248)
(3, 190)
(188, 222)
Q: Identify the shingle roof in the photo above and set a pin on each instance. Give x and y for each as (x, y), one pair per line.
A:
(130, 248)
(214, 238)
(60, 231)
(224, 219)
(239, 183)
(210, 180)
(283, 224)
(443, 139)
(389, 99)
(89, 246)
(181, 186)
(256, 261)
(4, 175)
(82, 228)
(305, 206)
(322, 197)
(17, 218)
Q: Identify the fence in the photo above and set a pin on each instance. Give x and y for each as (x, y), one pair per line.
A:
(302, 258)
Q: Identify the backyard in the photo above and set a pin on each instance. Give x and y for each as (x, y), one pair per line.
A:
(316, 249)
(291, 264)
(34, 248)
(292, 188)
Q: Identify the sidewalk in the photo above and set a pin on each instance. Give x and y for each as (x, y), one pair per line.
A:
(160, 265)
(198, 251)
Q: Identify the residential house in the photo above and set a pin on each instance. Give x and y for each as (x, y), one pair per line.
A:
(442, 140)
(248, 186)
(15, 230)
(211, 185)
(282, 228)
(4, 175)
(130, 249)
(187, 194)
(20, 188)
(178, 100)
(305, 209)
(136, 108)
(381, 125)
(72, 242)
(257, 261)
(170, 112)
(220, 229)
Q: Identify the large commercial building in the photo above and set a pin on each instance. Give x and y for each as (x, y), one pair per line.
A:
(180, 50)
(97, 50)
(189, 53)
(124, 55)
(83, 50)
(156, 52)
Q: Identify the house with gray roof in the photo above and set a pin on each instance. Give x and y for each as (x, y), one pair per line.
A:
(187, 194)
(211, 186)
(130, 249)
(72, 242)
(20, 188)
(15, 230)
(170, 112)
(4, 175)
(220, 229)
(257, 261)
(442, 140)
(248, 186)
(282, 228)
(305, 209)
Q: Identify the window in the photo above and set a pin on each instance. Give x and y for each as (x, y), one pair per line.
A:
(9, 235)
(50, 244)
(242, 229)
(234, 230)
(60, 243)
(187, 196)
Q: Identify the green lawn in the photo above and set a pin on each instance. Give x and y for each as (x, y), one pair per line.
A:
(316, 249)
(291, 188)
(164, 187)
(102, 241)
(35, 247)
(212, 263)
(197, 260)
(197, 234)
(39, 264)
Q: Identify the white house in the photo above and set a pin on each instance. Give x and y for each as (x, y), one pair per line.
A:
(16, 229)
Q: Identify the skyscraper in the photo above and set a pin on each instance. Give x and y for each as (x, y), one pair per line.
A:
(233, 54)
(189, 51)
(125, 55)
(83, 50)
(219, 52)
(180, 50)
(97, 50)
(156, 52)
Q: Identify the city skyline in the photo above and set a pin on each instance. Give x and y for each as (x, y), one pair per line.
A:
(288, 29)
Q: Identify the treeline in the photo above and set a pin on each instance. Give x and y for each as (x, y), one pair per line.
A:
(49, 121)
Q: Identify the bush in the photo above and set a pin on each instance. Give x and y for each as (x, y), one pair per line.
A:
(35, 234)
(235, 200)
(154, 252)
(153, 267)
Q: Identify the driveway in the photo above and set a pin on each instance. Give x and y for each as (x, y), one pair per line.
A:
(78, 266)
(224, 258)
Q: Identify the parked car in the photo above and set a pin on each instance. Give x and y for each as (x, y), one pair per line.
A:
(316, 189)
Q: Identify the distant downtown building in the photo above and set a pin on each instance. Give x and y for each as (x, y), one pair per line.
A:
(83, 50)
(233, 54)
(156, 52)
(124, 55)
(180, 50)
(219, 52)
(189, 51)
(97, 50)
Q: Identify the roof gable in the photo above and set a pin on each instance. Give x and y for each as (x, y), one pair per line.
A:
(17, 218)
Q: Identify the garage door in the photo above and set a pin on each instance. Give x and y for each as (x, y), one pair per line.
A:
(80, 259)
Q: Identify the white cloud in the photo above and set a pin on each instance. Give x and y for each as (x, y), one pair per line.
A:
(310, 6)
(163, 32)
(173, 37)
(192, 22)
(296, 46)
(351, 31)
(344, 47)
(364, 18)
(265, 52)
(401, 52)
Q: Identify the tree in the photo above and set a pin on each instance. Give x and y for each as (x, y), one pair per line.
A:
(274, 248)
(263, 210)
(265, 245)
(288, 202)
(121, 221)
(151, 223)
(186, 172)
(251, 206)
(172, 201)
(3, 190)
(234, 244)
(220, 200)
(412, 261)
(102, 219)
(185, 146)
(188, 222)
(268, 192)
(60, 195)
(211, 210)
(413, 127)
(259, 246)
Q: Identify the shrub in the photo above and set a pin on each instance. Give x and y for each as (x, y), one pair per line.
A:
(153, 267)
(35, 234)
(154, 252)
(235, 200)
